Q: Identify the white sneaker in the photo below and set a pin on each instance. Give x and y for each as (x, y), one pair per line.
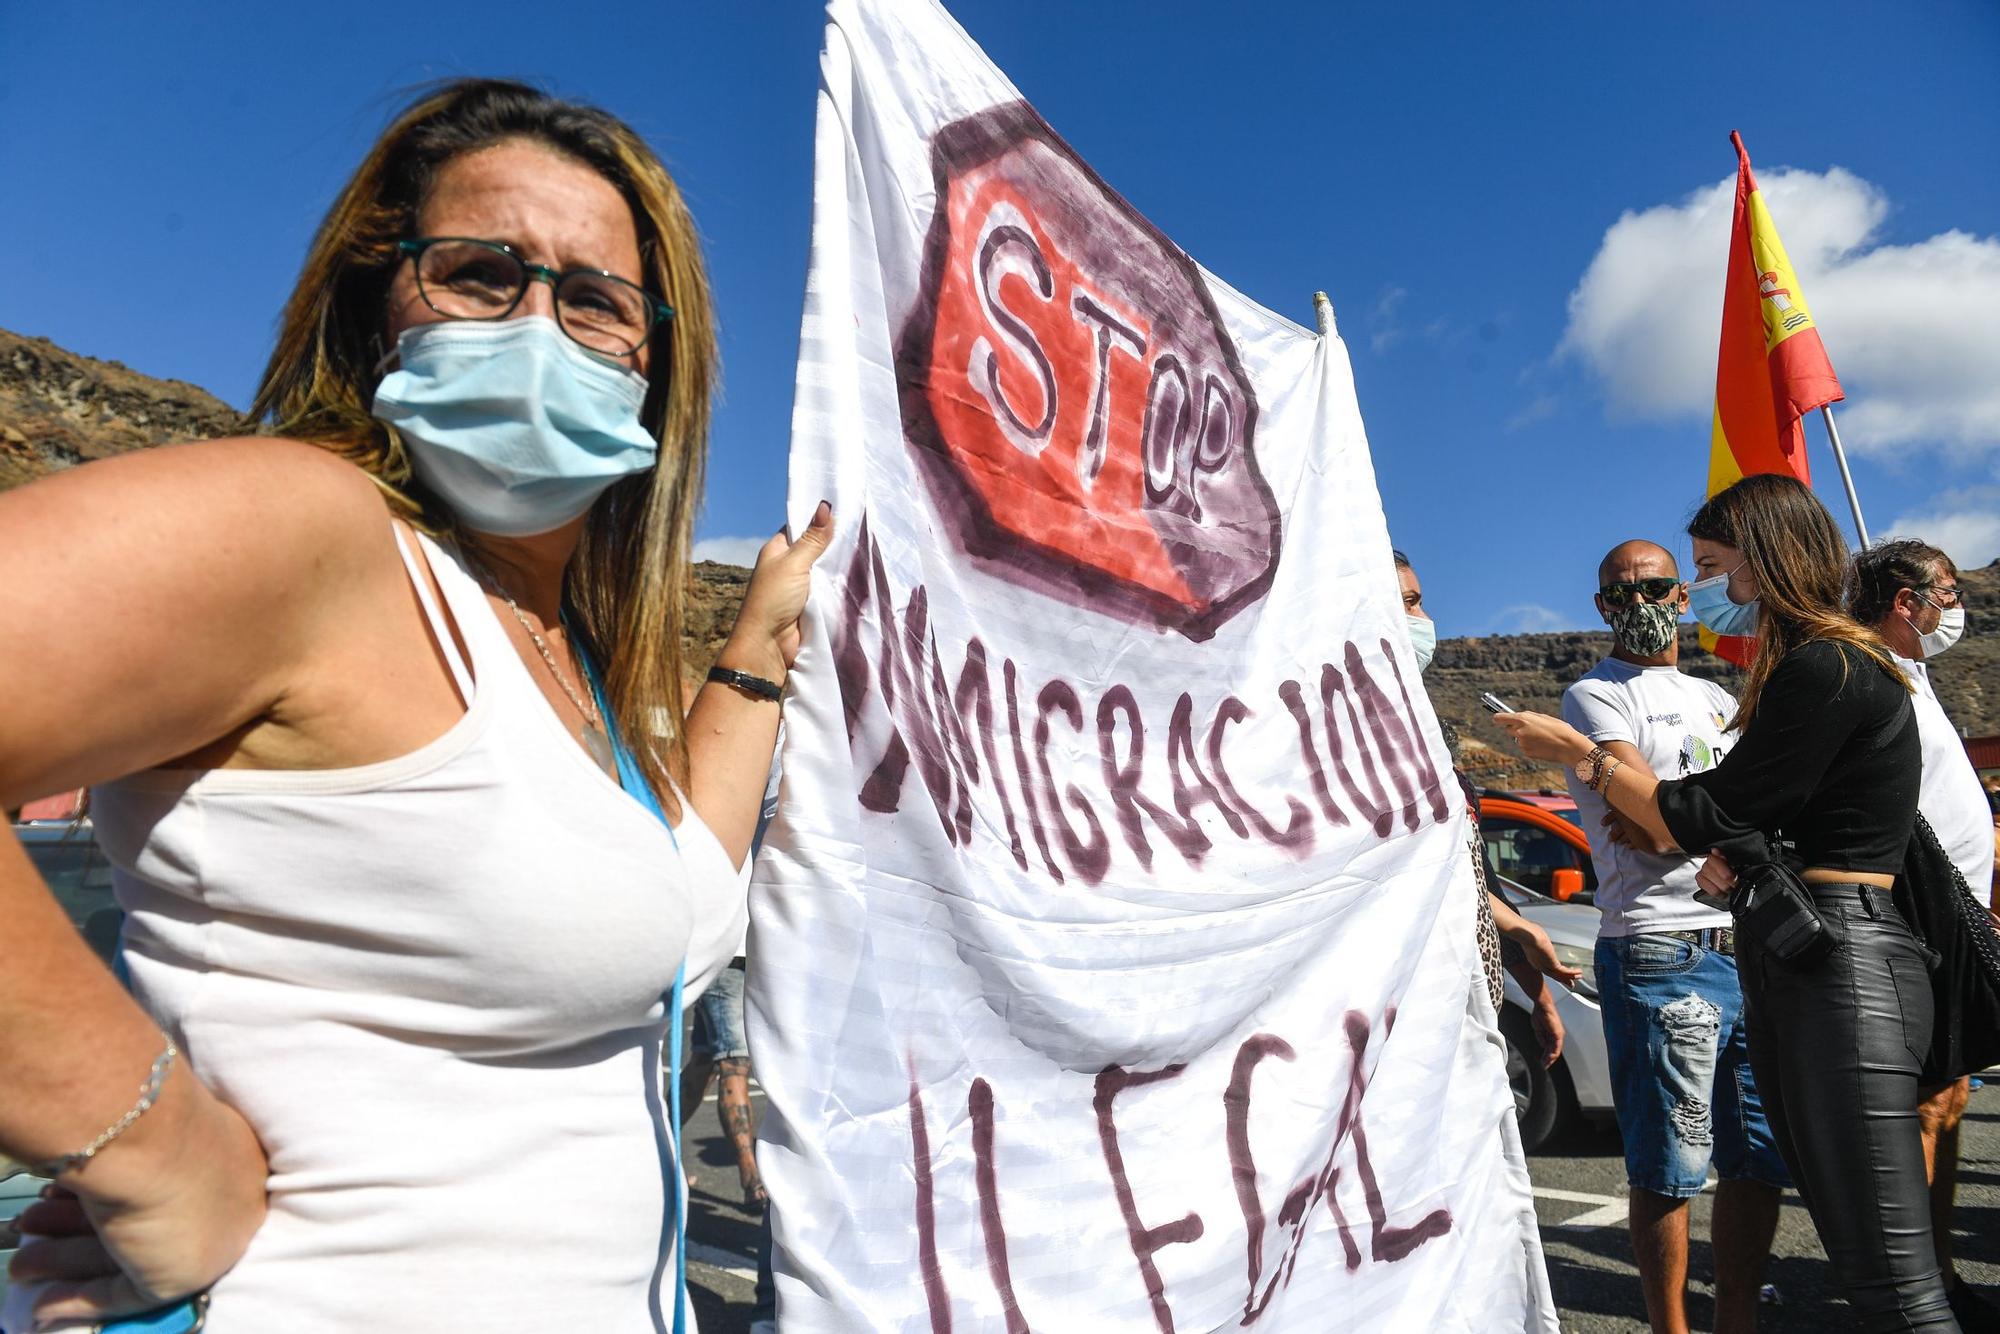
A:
(763, 1327)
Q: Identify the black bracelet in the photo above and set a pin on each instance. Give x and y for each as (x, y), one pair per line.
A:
(756, 685)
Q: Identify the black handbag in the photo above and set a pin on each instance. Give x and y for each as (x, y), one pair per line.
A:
(1774, 908)
(1771, 905)
(1954, 926)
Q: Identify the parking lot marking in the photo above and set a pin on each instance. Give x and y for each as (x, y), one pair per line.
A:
(1610, 1210)
(729, 1262)
(1610, 1215)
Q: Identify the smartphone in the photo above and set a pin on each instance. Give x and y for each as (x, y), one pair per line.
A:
(1493, 703)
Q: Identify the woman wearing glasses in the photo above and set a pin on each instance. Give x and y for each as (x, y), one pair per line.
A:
(1823, 774)
(357, 703)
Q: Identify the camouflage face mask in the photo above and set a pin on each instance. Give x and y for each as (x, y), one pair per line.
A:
(1644, 629)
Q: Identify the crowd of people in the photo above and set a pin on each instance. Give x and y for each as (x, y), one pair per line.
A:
(359, 699)
(1794, 1038)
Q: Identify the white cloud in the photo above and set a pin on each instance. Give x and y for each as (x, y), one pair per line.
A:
(1529, 618)
(1913, 330)
(730, 550)
(1542, 407)
(1387, 330)
(1965, 525)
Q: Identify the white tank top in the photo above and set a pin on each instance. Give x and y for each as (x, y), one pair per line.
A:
(435, 987)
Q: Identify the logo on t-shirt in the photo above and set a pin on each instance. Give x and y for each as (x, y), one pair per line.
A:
(1697, 756)
(1664, 719)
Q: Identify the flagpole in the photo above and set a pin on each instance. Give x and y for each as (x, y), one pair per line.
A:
(1846, 477)
(1323, 313)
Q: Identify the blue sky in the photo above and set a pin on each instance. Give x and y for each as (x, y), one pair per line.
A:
(1533, 370)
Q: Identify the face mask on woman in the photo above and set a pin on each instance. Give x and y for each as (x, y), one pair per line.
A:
(1711, 604)
(1423, 640)
(1951, 624)
(513, 425)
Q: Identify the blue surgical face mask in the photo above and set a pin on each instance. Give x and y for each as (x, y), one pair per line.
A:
(1423, 640)
(512, 424)
(1711, 604)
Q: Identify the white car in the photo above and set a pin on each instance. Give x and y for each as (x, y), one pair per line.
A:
(1578, 1086)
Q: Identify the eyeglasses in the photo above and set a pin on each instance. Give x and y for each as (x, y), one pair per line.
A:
(1654, 590)
(465, 279)
(1949, 595)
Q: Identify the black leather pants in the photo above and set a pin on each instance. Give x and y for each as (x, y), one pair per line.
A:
(1835, 1047)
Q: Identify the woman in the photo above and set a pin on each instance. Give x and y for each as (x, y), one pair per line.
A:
(1506, 939)
(1824, 772)
(353, 703)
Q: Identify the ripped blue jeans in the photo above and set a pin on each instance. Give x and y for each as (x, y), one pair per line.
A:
(1679, 1053)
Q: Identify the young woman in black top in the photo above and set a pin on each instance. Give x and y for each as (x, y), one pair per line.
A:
(1826, 761)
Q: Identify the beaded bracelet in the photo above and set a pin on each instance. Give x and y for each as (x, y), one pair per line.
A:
(149, 1093)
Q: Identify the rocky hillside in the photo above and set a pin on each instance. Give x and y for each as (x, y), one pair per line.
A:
(58, 409)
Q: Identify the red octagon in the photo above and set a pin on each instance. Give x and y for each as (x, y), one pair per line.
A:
(1072, 394)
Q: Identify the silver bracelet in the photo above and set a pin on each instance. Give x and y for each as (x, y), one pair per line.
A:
(149, 1093)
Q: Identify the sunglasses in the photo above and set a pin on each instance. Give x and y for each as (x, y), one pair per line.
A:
(1654, 590)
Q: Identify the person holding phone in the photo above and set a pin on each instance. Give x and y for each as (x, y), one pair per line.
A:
(1823, 778)
(1674, 1027)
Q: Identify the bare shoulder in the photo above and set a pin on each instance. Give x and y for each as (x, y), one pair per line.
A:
(181, 595)
(244, 496)
(288, 474)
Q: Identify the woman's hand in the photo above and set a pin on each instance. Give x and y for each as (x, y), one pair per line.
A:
(1535, 943)
(1548, 1027)
(1716, 876)
(1542, 737)
(135, 1232)
(765, 641)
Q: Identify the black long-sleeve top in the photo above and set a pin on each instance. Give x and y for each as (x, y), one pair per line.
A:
(1830, 762)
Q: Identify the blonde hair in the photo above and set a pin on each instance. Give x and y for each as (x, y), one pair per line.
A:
(1796, 552)
(625, 592)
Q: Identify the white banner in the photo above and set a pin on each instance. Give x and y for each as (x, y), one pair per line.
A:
(1113, 961)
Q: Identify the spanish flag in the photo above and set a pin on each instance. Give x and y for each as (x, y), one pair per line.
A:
(1772, 368)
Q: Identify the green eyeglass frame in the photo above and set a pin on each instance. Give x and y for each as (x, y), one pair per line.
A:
(657, 311)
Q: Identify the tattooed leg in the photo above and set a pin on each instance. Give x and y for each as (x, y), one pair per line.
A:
(733, 1106)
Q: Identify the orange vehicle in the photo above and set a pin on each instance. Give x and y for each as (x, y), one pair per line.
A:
(1537, 842)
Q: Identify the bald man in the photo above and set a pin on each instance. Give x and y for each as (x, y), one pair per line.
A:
(1666, 965)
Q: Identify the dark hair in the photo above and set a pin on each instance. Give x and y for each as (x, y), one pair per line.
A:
(1402, 561)
(1886, 569)
(1799, 559)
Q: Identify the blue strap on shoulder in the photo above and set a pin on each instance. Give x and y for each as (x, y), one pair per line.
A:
(634, 783)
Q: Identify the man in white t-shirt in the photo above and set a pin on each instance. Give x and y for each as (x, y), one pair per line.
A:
(1666, 968)
(1908, 591)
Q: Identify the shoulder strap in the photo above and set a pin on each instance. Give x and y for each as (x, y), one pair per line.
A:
(440, 628)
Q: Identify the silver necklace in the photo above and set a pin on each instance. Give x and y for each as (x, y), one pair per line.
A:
(592, 733)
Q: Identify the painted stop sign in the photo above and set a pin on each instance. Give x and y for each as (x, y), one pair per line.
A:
(1072, 393)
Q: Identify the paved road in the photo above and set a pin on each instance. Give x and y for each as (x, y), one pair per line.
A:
(1580, 1198)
